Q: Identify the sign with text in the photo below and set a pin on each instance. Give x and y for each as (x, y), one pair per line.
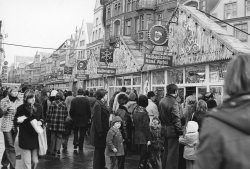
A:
(106, 55)
(108, 71)
(156, 59)
(82, 76)
(60, 74)
(82, 64)
(68, 70)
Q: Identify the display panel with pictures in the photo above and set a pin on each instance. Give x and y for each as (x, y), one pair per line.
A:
(158, 77)
(127, 80)
(195, 74)
(202, 92)
(217, 72)
(136, 79)
(175, 76)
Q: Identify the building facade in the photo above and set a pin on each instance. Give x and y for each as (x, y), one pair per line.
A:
(236, 13)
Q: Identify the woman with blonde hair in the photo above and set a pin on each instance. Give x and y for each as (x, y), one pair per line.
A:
(225, 132)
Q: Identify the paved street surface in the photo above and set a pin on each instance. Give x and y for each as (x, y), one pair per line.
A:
(71, 160)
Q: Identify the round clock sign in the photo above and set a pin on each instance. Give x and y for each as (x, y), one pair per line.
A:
(158, 35)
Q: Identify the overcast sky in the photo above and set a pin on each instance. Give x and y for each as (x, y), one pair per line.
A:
(46, 23)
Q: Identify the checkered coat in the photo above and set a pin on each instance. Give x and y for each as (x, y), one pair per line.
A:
(8, 116)
(56, 116)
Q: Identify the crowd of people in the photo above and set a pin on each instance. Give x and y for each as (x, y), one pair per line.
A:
(171, 134)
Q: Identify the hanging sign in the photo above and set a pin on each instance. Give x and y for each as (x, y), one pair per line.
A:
(68, 70)
(158, 35)
(106, 55)
(60, 74)
(82, 76)
(82, 64)
(108, 71)
(156, 59)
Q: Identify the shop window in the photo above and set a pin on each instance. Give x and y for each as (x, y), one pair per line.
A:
(217, 92)
(195, 74)
(239, 34)
(230, 10)
(137, 80)
(175, 76)
(96, 82)
(138, 90)
(137, 25)
(247, 7)
(100, 82)
(127, 80)
(159, 92)
(158, 77)
(217, 72)
(119, 81)
(111, 81)
(111, 92)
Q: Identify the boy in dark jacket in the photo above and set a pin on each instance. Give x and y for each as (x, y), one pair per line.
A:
(156, 142)
(114, 141)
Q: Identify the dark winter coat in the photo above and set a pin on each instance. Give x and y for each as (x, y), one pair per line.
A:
(92, 101)
(141, 123)
(114, 140)
(100, 125)
(170, 117)
(80, 111)
(28, 137)
(126, 127)
(225, 136)
(56, 116)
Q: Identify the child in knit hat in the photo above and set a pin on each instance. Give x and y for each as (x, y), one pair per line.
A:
(114, 142)
(190, 140)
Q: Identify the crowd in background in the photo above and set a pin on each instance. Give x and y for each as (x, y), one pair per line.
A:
(173, 133)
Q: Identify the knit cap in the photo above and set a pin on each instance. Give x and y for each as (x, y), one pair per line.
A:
(116, 119)
(53, 93)
(132, 96)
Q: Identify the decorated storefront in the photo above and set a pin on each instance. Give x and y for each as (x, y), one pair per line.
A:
(195, 57)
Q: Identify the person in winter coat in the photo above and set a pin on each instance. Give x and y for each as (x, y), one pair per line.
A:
(80, 113)
(28, 137)
(200, 113)
(152, 109)
(211, 103)
(115, 148)
(157, 142)
(126, 128)
(116, 104)
(191, 141)
(132, 103)
(141, 124)
(99, 129)
(225, 133)
(9, 106)
(56, 124)
(171, 124)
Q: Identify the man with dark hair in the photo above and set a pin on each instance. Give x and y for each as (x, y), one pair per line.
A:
(80, 113)
(171, 123)
(124, 89)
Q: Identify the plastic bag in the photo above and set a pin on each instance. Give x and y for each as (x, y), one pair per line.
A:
(42, 140)
(37, 127)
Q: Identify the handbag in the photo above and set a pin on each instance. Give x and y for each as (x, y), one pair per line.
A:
(42, 140)
(37, 127)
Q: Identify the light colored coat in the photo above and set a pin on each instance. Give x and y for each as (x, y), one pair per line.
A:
(152, 110)
(8, 116)
(190, 140)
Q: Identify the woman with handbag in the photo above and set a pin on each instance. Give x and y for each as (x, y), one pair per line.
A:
(9, 105)
(28, 137)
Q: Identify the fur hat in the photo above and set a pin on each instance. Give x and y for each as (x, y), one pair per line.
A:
(53, 93)
(132, 96)
(192, 127)
(116, 119)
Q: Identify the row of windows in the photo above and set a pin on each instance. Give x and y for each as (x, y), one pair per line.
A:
(230, 9)
(96, 34)
(238, 34)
